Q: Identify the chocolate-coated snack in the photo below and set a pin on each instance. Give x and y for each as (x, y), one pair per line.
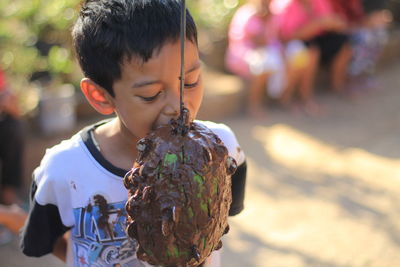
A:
(179, 194)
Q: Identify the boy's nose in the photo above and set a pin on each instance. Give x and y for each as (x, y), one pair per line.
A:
(172, 107)
(172, 111)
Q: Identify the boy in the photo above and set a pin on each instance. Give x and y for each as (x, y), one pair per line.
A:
(129, 52)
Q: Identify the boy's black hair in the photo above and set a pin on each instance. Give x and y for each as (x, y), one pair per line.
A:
(109, 31)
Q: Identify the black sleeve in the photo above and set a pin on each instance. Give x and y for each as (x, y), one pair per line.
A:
(238, 188)
(42, 228)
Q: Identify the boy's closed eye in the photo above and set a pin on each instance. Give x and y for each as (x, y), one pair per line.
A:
(154, 96)
(150, 98)
(149, 91)
(193, 85)
(192, 80)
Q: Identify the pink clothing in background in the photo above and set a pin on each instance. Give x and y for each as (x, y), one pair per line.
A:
(350, 10)
(2, 81)
(295, 16)
(246, 25)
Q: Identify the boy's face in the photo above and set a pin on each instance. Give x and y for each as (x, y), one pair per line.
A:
(147, 95)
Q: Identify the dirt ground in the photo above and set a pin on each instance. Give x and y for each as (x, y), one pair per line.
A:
(321, 191)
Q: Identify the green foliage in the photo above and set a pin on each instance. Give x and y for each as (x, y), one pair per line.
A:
(25, 25)
(213, 14)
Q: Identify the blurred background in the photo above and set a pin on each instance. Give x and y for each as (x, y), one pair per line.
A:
(323, 183)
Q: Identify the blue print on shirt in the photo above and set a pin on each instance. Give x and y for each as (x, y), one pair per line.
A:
(99, 237)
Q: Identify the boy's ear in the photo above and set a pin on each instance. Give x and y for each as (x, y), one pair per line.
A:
(98, 98)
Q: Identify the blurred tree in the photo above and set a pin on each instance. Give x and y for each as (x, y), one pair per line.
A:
(35, 37)
(35, 44)
(213, 14)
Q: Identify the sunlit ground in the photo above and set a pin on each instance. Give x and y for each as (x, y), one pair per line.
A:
(301, 152)
(313, 202)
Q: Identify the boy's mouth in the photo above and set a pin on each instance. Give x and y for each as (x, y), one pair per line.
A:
(158, 124)
(165, 121)
(154, 126)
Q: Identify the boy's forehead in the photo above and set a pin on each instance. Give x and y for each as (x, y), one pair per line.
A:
(165, 61)
(136, 61)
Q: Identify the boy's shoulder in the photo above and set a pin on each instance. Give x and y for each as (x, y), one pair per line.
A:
(73, 146)
(65, 156)
(58, 157)
(227, 136)
(63, 150)
(220, 129)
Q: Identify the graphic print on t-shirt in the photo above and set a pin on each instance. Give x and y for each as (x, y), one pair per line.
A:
(99, 235)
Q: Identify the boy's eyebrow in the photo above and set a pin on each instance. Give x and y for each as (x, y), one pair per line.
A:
(145, 83)
(195, 67)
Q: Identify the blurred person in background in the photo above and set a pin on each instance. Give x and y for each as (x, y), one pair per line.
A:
(256, 53)
(369, 36)
(11, 145)
(11, 156)
(349, 10)
(12, 217)
(324, 33)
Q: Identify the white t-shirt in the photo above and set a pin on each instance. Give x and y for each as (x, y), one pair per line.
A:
(75, 188)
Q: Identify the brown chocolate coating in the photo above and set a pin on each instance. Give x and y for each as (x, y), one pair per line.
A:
(179, 195)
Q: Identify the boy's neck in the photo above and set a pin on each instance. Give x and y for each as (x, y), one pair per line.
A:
(116, 145)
